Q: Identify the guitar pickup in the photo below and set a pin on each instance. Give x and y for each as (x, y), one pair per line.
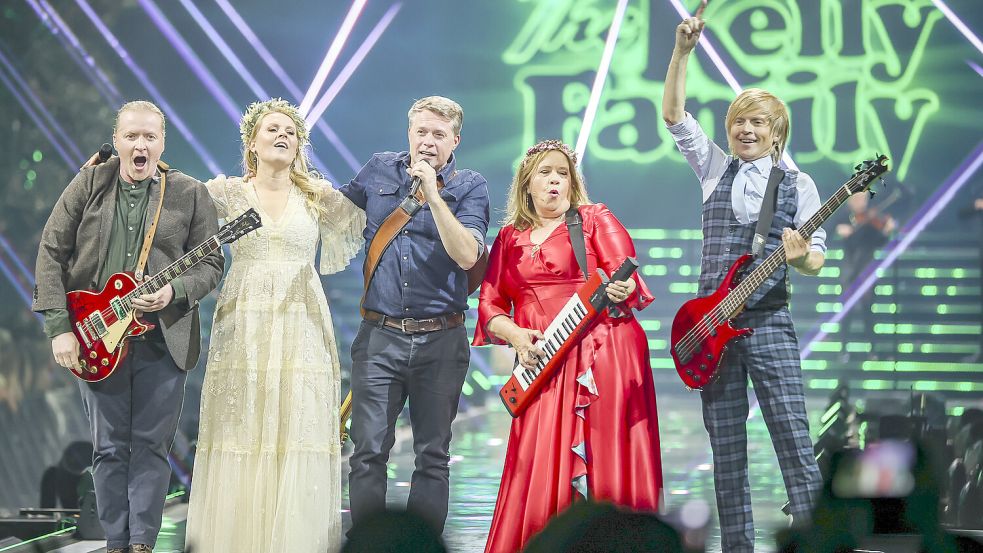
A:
(683, 358)
(120, 309)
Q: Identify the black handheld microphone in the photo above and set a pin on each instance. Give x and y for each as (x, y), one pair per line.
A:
(105, 152)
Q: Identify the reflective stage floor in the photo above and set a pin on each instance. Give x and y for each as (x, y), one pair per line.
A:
(478, 450)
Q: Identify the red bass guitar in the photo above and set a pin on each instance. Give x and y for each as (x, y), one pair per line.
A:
(563, 333)
(703, 327)
(102, 321)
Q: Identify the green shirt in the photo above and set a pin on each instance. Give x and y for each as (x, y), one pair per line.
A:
(125, 241)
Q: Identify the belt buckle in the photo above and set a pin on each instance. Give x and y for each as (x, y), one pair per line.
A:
(402, 325)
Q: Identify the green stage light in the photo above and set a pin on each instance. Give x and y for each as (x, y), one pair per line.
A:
(828, 346)
(648, 234)
(480, 379)
(813, 365)
(822, 383)
(688, 288)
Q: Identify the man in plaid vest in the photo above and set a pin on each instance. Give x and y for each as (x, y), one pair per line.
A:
(734, 186)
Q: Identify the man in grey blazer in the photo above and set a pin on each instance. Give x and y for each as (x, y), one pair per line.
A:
(97, 228)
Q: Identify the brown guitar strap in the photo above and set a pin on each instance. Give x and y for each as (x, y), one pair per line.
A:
(148, 239)
(385, 235)
(391, 227)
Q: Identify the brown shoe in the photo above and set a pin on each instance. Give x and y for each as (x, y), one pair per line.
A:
(118, 550)
(140, 548)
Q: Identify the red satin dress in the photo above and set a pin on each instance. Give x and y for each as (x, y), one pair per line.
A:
(594, 429)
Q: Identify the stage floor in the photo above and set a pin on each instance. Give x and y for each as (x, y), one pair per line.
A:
(478, 450)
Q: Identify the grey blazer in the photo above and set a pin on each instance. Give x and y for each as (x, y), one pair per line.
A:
(75, 241)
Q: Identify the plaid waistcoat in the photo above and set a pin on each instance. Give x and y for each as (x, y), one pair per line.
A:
(725, 239)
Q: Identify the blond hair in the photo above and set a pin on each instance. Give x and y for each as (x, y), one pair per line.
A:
(303, 178)
(444, 107)
(755, 99)
(140, 105)
(520, 212)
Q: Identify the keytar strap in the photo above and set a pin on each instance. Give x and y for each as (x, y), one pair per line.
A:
(575, 229)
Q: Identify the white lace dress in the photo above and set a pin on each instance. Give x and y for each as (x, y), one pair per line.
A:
(268, 465)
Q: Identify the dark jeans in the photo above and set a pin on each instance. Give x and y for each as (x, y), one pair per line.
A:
(133, 415)
(387, 368)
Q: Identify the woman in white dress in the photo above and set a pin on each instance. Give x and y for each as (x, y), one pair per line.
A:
(267, 470)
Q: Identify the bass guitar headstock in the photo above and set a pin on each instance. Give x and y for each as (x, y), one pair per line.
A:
(866, 173)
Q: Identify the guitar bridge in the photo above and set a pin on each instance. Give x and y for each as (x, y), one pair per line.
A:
(84, 331)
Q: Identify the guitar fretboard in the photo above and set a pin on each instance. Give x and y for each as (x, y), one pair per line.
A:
(736, 298)
(176, 269)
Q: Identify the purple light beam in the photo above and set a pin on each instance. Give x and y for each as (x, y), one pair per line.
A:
(353, 63)
(18, 79)
(37, 121)
(28, 274)
(277, 70)
(187, 54)
(74, 47)
(154, 92)
(928, 212)
(718, 62)
(959, 25)
(240, 68)
(332, 55)
(599, 78)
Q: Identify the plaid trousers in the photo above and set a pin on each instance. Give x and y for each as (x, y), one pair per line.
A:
(770, 357)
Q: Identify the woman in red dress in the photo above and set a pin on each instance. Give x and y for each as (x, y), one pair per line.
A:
(593, 431)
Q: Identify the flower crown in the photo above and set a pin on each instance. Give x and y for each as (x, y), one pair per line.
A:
(256, 110)
(551, 144)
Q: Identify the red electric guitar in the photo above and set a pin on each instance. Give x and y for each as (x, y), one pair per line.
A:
(564, 331)
(102, 321)
(703, 327)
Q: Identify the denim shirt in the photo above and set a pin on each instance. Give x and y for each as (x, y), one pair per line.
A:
(416, 277)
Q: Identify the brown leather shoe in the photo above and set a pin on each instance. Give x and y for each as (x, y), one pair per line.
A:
(140, 548)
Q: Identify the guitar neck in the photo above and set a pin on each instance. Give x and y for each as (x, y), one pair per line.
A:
(738, 296)
(176, 269)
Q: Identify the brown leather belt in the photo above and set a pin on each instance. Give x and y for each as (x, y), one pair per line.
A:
(415, 326)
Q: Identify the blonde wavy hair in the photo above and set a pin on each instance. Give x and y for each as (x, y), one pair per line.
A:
(301, 176)
(520, 212)
(754, 99)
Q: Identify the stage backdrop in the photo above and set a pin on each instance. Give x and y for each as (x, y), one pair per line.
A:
(898, 77)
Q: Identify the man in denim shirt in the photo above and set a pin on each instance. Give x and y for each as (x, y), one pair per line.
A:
(412, 342)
